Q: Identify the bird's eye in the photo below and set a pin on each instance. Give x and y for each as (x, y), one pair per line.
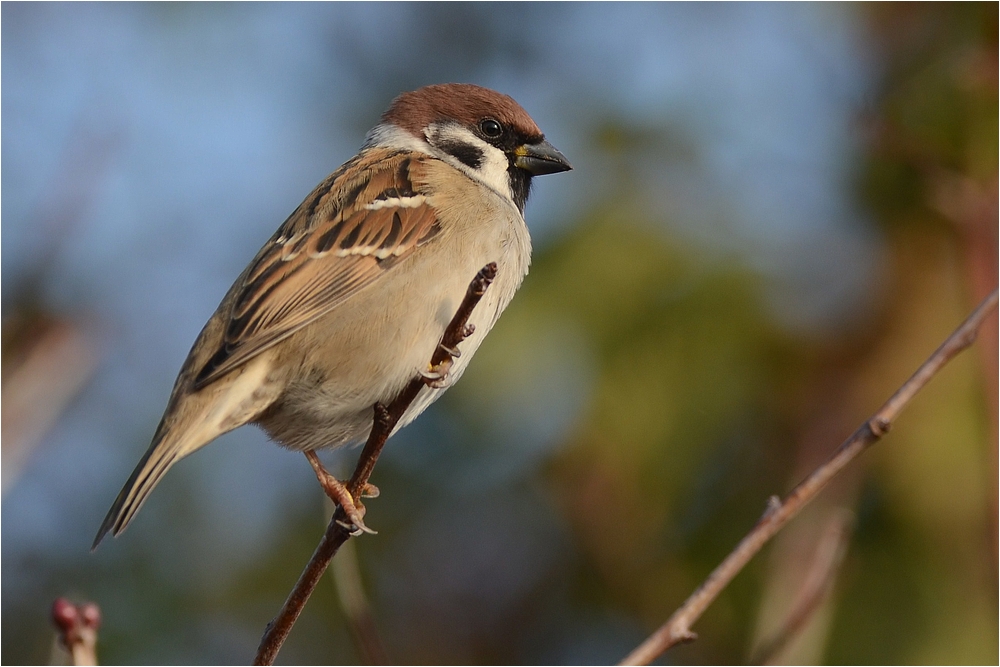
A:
(490, 128)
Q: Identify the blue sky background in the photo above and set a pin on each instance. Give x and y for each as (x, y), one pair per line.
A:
(179, 136)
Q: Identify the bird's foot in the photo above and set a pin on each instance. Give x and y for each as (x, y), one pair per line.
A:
(437, 375)
(339, 494)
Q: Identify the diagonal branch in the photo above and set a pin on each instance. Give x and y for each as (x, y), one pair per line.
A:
(677, 629)
(385, 420)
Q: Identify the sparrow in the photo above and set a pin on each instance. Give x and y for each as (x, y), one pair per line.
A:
(348, 300)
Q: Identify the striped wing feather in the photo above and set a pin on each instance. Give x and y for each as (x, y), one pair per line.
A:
(346, 234)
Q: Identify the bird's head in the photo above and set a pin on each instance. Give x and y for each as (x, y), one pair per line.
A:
(484, 133)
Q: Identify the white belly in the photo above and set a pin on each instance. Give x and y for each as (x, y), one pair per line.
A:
(329, 404)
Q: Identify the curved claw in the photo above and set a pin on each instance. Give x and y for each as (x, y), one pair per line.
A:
(356, 526)
(355, 511)
(437, 376)
(350, 528)
(453, 352)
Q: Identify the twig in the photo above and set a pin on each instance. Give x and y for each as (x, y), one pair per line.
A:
(830, 551)
(677, 629)
(347, 579)
(384, 421)
(77, 626)
(47, 362)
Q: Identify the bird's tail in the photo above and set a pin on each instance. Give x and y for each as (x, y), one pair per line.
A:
(191, 422)
(163, 452)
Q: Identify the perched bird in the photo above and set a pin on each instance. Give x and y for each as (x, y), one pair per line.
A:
(348, 300)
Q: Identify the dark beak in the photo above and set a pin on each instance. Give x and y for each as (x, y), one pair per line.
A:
(539, 159)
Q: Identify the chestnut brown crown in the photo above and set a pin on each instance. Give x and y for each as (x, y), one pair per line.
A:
(464, 103)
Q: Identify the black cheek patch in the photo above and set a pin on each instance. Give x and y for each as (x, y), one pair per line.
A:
(467, 154)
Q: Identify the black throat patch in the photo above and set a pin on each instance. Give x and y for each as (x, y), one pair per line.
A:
(520, 185)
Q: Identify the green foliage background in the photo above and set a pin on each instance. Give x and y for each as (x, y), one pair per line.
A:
(670, 401)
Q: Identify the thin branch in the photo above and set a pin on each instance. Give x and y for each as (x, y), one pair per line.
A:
(830, 551)
(384, 421)
(77, 626)
(47, 362)
(351, 593)
(677, 629)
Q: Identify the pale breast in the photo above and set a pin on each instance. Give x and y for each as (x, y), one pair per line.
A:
(368, 348)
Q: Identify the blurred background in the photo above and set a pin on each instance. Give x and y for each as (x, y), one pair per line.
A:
(777, 212)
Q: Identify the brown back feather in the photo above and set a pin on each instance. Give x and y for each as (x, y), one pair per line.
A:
(345, 235)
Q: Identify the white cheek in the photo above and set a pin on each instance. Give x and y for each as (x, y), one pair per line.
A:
(492, 170)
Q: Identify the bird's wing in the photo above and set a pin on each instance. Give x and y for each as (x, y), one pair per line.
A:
(351, 230)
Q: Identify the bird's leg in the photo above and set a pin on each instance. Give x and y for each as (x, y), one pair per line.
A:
(339, 494)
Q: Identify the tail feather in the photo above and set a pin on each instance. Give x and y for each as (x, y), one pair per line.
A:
(170, 444)
(190, 423)
(147, 474)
